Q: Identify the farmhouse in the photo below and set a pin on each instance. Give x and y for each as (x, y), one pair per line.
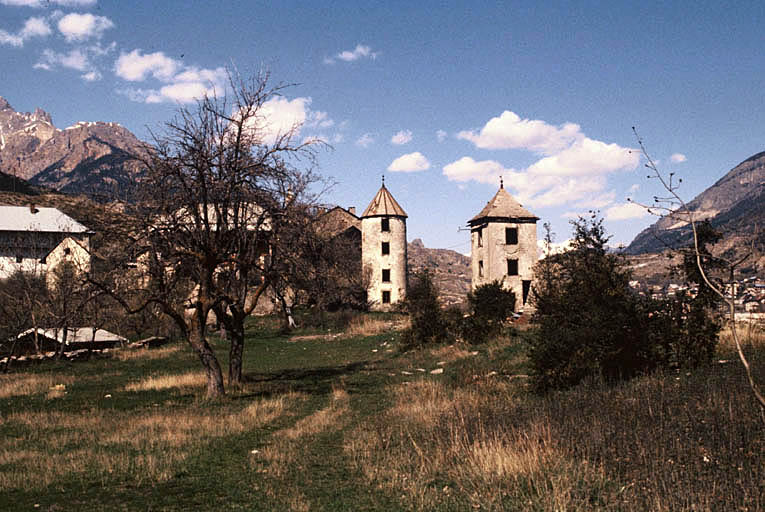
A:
(503, 240)
(37, 239)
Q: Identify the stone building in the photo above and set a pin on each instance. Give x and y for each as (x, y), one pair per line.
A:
(36, 239)
(383, 250)
(504, 246)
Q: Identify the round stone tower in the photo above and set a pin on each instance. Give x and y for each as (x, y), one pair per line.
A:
(504, 246)
(383, 251)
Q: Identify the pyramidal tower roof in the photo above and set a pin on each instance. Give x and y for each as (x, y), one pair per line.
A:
(503, 206)
(383, 205)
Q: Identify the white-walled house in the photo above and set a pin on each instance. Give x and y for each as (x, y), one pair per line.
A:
(36, 239)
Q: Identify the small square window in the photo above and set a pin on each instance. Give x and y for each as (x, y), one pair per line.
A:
(511, 236)
(512, 267)
(386, 275)
(19, 259)
(385, 248)
(480, 268)
(386, 297)
(385, 224)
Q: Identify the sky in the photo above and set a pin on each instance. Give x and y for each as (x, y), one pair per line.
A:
(442, 98)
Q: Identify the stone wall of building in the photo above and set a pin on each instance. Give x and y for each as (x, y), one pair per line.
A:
(374, 262)
(490, 255)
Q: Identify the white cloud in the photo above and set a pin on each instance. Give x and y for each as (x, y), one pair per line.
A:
(634, 188)
(365, 140)
(587, 156)
(79, 59)
(467, 169)
(554, 248)
(77, 27)
(280, 116)
(441, 135)
(626, 211)
(360, 52)
(42, 3)
(33, 27)
(136, 67)
(411, 162)
(678, 158)
(401, 137)
(183, 84)
(509, 131)
(573, 167)
(91, 76)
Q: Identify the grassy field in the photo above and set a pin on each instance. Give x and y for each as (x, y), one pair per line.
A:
(345, 421)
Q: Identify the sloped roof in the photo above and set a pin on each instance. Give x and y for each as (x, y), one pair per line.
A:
(503, 205)
(48, 220)
(383, 204)
(338, 219)
(76, 335)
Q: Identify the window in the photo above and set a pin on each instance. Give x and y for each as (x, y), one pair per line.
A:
(526, 290)
(386, 297)
(511, 236)
(480, 237)
(512, 267)
(386, 275)
(385, 248)
(19, 258)
(67, 251)
(480, 268)
(385, 223)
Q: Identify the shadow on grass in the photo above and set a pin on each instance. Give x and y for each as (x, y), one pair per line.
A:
(314, 381)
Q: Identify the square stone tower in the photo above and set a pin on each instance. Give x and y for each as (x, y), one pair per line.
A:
(503, 246)
(383, 251)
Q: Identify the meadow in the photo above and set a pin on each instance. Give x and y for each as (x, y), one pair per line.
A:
(345, 420)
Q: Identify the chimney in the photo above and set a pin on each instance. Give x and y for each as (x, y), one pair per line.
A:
(352, 209)
(32, 208)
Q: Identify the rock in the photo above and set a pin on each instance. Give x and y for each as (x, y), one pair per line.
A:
(437, 371)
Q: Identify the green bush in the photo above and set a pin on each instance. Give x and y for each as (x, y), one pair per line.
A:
(490, 305)
(428, 324)
(592, 324)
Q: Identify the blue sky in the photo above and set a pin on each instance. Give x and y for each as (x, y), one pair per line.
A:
(440, 97)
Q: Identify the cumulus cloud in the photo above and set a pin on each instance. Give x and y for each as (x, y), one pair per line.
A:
(365, 140)
(626, 211)
(509, 131)
(42, 3)
(79, 59)
(401, 137)
(678, 158)
(136, 67)
(441, 135)
(411, 162)
(182, 83)
(360, 52)
(572, 167)
(280, 116)
(77, 27)
(33, 27)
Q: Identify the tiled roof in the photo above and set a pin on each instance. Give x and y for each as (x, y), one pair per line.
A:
(30, 218)
(383, 204)
(503, 205)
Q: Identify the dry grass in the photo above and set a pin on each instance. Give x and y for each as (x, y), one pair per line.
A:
(449, 353)
(455, 438)
(108, 442)
(158, 382)
(750, 335)
(20, 384)
(128, 354)
(365, 325)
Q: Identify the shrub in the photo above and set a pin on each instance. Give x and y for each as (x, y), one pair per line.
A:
(428, 324)
(590, 322)
(490, 306)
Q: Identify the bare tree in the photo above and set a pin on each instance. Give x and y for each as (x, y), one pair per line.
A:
(674, 205)
(219, 187)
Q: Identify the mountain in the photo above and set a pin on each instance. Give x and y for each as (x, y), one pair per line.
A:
(93, 158)
(735, 206)
(450, 270)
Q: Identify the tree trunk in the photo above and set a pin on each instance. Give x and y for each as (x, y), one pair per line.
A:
(198, 341)
(235, 354)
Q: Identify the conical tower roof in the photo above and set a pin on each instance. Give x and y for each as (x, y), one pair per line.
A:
(383, 205)
(503, 206)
